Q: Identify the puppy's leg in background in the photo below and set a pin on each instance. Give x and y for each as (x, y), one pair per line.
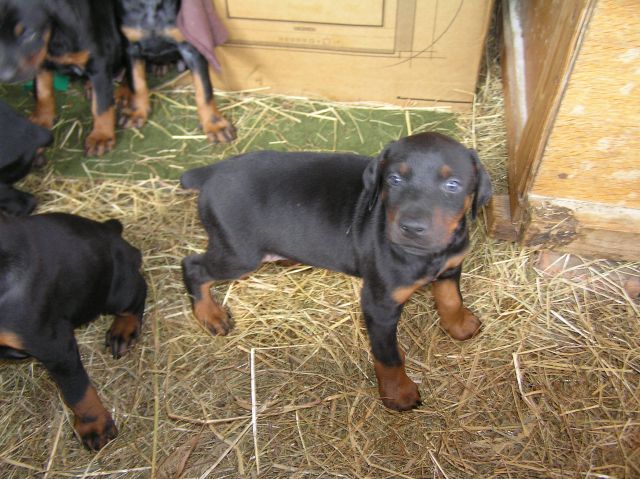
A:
(136, 107)
(381, 316)
(45, 111)
(217, 128)
(103, 136)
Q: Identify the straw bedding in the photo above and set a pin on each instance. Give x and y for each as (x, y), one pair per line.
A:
(548, 389)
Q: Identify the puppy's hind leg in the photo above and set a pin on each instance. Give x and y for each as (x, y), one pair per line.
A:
(198, 279)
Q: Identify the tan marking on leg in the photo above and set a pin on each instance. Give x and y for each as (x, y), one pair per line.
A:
(457, 320)
(102, 138)
(174, 33)
(45, 111)
(122, 96)
(210, 314)
(123, 333)
(138, 107)
(217, 128)
(93, 423)
(32, 63)
(396, 390)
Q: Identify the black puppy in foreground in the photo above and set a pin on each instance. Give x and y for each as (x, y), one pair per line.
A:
(20, 141)
(58, 272)
(398, 221)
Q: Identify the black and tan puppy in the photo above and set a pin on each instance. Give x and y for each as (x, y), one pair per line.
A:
(57, 272)
(398, 221)
(151, 33)
(20, 141)
(78, 36)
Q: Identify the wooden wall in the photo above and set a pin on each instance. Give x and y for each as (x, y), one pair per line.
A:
(574, 161)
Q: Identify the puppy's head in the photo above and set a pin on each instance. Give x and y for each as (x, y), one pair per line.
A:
(20, 145)
(25, 29)
(426, 184)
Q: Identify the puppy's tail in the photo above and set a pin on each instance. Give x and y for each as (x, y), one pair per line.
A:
(114, 226)
(195, 178)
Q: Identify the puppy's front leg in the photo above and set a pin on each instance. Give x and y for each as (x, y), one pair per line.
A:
(102, 138)
(381, 316)
(61, 357)
(44, 114)
(457, 320)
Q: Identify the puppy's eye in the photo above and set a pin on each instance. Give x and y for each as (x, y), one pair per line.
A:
(31, 36)
(27, 34)
(452, 185)
(394, 179)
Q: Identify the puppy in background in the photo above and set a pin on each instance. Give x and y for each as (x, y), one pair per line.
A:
(20, 142)
(73, 36)
(162, 31)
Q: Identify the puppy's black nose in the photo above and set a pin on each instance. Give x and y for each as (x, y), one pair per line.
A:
(413, 227)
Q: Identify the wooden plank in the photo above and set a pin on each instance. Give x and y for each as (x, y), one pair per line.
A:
(583, 228)
(499, 224)
(592, 152)
(550, 40)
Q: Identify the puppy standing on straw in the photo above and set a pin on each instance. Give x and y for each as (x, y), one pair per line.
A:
(398, 221)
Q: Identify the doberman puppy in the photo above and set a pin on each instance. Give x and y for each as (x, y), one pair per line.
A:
(19, 143)
(149, 27)
(57, 272)
(398, 221)
(77, 36)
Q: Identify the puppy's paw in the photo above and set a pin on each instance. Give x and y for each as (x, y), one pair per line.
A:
(465, 328)
(98, 143)
(218, 129)
(397, 391)
(133, 118)
(96, 432)
(123, 334)
(213, 317)
(93, 423)
(402, 399)
(44, 117)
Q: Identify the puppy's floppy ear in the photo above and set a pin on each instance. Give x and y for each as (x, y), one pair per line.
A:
(372, 178)
(483, 190)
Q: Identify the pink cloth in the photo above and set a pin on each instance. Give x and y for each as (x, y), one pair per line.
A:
(201, 26)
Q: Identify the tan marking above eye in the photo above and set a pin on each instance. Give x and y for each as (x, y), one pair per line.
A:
(445, 171)
(18, 29)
